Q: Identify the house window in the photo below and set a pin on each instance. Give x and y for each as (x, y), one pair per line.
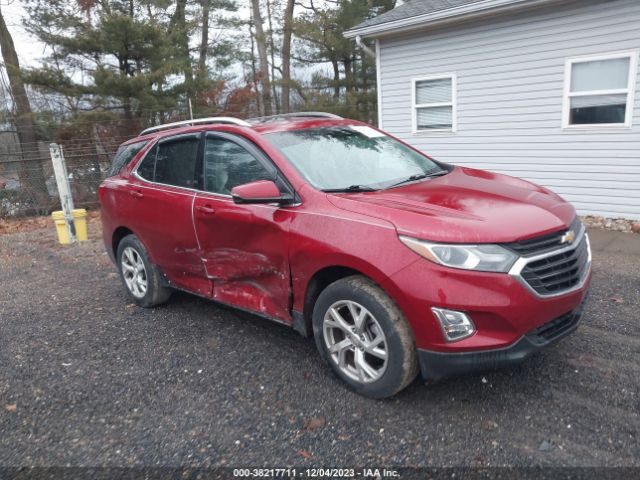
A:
(599, 90)
(434, 106)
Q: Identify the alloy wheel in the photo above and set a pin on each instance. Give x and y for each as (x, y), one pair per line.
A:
(134, 272)
(355, 341)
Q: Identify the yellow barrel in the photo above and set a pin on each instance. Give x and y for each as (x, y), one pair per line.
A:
(80, 221)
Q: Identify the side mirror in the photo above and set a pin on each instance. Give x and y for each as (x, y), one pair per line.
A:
(261, 191)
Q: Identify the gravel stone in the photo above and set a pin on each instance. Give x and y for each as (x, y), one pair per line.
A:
(88, 379)
(615, 224)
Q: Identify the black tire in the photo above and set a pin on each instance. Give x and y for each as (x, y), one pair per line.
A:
(157, 291)
(401, 360)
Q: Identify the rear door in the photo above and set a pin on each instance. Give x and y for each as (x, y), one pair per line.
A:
(163, 191)
(244, 247)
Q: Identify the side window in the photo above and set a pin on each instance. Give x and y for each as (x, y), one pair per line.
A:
(171, 162)
(227, 165)
(145, 169)
(176, 162)
(123, 156)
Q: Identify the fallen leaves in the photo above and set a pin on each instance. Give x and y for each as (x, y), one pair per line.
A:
(28, 224)
(617, 299)
(489, 425)
(315, 423)
(15, 225)
(305, 453)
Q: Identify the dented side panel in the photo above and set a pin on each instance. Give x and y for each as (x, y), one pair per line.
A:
(245, 252)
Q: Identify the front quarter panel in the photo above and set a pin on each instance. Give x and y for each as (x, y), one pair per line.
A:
(323, 236)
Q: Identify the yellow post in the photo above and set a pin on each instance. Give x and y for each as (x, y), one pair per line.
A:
(61, 227)
(79, 220)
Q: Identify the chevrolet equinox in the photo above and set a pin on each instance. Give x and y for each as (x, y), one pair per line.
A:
(396, 263)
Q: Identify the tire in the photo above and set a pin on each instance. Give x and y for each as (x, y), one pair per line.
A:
(136, 272)
(378, 358)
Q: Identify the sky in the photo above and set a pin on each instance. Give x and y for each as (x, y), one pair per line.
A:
(29, 50)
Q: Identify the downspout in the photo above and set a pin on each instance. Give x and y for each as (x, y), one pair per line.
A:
(374, 54)
(366, 49)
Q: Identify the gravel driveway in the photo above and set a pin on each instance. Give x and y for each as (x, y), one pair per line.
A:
(88, 379)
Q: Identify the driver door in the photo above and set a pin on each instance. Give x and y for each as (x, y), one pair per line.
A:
(244, 247)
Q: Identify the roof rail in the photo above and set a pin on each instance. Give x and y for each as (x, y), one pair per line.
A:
(294, 115)
(197, 121)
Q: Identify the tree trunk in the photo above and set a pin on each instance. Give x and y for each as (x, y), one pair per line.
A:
(336, 79)
(272, 44)
(263, 59)
(286, 56)
(254, 73)
(204, 39)
(181, 34)
(30, 171)
(348, 73)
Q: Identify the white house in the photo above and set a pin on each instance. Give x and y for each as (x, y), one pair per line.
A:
(539, 89)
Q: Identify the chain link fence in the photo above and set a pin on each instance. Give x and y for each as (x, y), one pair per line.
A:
(27, 181)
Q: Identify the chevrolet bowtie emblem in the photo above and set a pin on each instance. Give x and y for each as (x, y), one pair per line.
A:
(568, 237)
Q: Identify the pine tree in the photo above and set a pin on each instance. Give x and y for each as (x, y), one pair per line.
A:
(30, 170)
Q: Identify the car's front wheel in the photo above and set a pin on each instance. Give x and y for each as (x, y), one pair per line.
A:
(364, 337)
(142, 279)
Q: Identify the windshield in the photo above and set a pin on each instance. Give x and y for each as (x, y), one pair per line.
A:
(351, 157)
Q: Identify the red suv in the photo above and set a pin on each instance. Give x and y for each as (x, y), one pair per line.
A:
(396, 263)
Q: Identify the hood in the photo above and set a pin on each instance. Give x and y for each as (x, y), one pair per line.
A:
(465, 206)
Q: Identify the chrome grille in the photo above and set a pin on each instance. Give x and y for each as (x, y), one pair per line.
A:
(557, 273)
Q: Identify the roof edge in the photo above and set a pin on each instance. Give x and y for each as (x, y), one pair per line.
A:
(459, 13)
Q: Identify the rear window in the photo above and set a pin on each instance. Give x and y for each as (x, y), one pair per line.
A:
(124, 155)
(171, 162)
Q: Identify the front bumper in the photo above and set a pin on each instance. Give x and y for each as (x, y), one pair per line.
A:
(435, 366)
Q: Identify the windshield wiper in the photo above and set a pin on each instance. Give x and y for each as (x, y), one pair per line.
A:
(350, 188)
(419, 176)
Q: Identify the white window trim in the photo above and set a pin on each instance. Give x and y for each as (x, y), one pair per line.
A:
(629, 91)
(453, 104)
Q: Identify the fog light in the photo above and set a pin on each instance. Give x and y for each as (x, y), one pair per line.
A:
(455, 325)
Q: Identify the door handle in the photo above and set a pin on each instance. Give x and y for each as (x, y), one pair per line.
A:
(136, 194)
(205, 209)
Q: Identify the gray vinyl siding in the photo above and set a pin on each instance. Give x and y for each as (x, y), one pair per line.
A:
(510, 85)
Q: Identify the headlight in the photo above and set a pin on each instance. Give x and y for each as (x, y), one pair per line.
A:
(483, 258)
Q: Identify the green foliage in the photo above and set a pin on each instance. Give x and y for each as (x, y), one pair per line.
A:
(114, 53)
(142, 59)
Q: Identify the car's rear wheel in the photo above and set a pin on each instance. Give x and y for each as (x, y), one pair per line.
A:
(364, 337)
(142, 279)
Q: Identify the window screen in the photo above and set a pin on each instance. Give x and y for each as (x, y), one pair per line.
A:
(227, 165)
